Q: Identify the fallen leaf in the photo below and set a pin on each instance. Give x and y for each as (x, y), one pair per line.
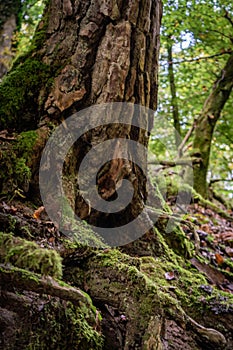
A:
(206, 228)
(219, 259)
(169, 275)
(213, 275)
(38, 212)
(51, 240)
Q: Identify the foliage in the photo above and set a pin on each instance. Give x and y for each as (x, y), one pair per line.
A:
(28, 18)
(200, 34)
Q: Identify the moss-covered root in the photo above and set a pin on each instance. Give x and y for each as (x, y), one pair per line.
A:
(20, 94)
(113, 279)
(52, 316)
(125, 283)
(26, 280)
(206, 203)
(28, 255)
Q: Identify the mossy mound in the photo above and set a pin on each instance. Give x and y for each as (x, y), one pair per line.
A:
(28, 255)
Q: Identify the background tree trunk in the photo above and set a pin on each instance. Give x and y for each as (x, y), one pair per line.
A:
(206, 123)
(174, 104)
(8, 22)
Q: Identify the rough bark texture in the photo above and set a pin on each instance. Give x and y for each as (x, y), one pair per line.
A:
(8, 22)
(86, 53)
(98, 51)
(206, 123)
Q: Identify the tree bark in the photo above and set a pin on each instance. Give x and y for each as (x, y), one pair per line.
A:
(174, 104)
(8, 22)
(86, 53)
(205, 125)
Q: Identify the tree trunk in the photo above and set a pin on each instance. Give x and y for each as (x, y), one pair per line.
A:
(174, 104)
(8, 22)
(87, 53)
(205, 125)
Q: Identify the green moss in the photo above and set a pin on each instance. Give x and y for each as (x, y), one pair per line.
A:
(63, 327)
(206, 203)
(28, 255)
(15, 159)
(173, 235)
(25, 142)
(23, 88)
(79, 232)
(184, 289)
(19, 93)
(143, 289)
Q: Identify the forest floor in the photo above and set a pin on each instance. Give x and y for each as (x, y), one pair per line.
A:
(216, 246)
(215, 234)
(215, 241)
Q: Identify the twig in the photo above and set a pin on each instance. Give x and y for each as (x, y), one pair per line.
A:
(186, 138)
(167, 163)
(218, 180)
(228, 17)
(196, 59)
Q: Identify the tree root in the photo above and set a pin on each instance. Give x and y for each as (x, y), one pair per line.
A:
(207, 335)
(115, 279)
(26, 280)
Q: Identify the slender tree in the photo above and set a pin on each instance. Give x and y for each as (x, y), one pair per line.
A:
(174, 103)
(205, 125)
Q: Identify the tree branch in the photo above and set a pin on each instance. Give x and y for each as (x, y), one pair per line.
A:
(186, 138)
(167, 163)
(202, 58)
(218, 180)
(228, 17)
